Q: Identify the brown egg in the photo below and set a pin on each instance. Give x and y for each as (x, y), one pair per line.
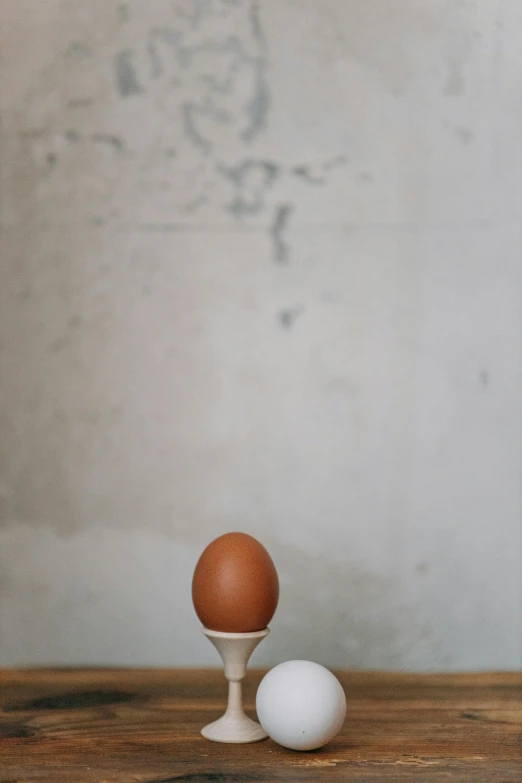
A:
(235, 586)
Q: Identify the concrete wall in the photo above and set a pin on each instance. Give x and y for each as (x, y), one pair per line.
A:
(261, 270)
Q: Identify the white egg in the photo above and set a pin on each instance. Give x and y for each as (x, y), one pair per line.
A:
(301, 705)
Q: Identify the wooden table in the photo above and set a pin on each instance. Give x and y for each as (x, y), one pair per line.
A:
(123, 726)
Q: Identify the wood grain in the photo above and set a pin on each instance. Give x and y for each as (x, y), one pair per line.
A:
(129, 726)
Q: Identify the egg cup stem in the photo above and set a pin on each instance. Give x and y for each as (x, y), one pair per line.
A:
(235, 650)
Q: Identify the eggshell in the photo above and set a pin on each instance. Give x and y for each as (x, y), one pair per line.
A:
(235, 586)
(301, 705)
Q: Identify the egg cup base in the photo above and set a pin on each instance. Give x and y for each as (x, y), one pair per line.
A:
(234, 730)
(235, 650)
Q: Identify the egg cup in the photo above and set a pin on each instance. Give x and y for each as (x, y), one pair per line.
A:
(235, 650)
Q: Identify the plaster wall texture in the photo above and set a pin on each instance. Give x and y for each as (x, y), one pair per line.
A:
(261, 271)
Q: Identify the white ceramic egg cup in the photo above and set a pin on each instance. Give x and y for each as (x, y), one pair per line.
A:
(235, 650)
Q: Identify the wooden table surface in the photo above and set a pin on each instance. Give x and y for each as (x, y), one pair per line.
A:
(124, 726)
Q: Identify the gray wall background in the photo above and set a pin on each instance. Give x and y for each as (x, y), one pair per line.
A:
(261, 270)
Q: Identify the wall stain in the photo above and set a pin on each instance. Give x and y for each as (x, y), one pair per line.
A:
(220, 66)
(33, 133)
(59, 344)
(277, 232)
(72, 135)
(304, 172)
(454, 84)
(459, 46)
(251, 179)
(334, 163)
(124, 13)
(127, 82)
(189, 112)
(255, 23)
(317, 175)
(465, 135)
(106, 138)
(192, 206)
(201, 8)
(257, 108)
(173, 40)
(484, 378)
(51, 159)
(80, 49)
(288, 317)
(328, 297)
(79, 103)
